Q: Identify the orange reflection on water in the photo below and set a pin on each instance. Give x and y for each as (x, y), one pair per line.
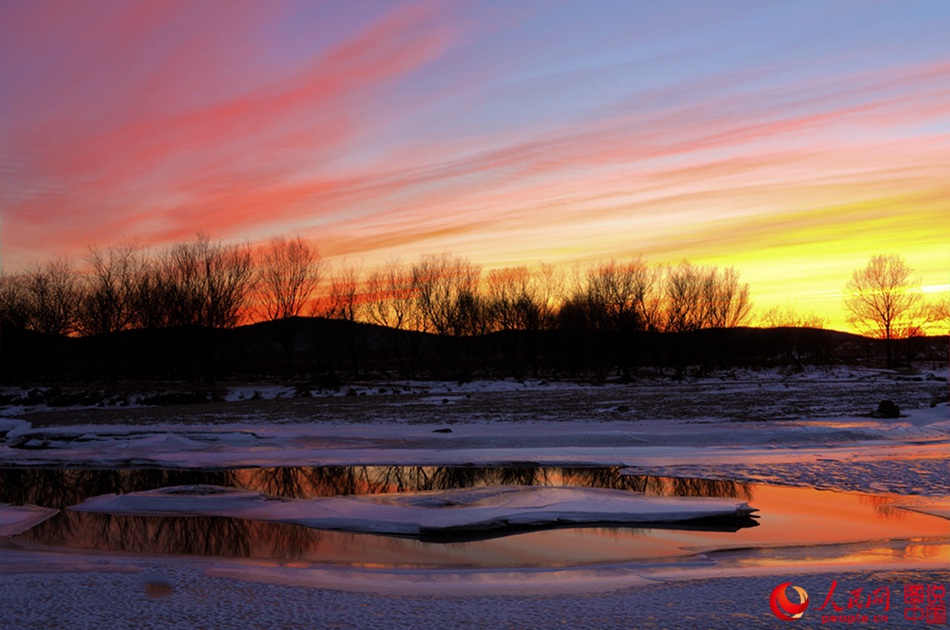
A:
(922, 551)
(795, 525)
(851, 554)
(808, 516)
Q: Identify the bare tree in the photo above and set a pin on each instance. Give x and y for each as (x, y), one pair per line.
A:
(391, 301)
(620, 295)
(883, 299)
(175, 288)
(391, 297)
(705, 297)
(787, 316)
(289, 272)
(548, 282)
(522, 297)
(617, 297)
(684, 293)
(511, 303)
(202, 283)
(939, 315)
(14, 302)
(149, 304)
(230, 278)
(343, 300)
(447, 294)
(727, 301)
(108, 302)
(52, 293)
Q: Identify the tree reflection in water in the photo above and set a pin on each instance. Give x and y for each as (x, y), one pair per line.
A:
(193, 535)
(314, 482)
(61, 488)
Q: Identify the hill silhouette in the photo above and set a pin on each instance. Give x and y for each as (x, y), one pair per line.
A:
(320, 347)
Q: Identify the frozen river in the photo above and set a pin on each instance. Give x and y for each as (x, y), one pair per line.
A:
(840, 497)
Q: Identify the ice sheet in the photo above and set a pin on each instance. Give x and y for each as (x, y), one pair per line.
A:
(604, 444)
(16, 519)
(415, 513)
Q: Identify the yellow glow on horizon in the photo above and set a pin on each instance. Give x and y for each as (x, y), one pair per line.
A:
(792, 253)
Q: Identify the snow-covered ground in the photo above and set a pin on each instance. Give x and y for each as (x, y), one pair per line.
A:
(152, 593)
(807, 429)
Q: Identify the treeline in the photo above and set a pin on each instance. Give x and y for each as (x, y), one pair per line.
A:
(208, 284)
(124, 312)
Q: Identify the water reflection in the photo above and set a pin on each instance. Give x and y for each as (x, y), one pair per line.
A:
(788, 516)
(60, 488)
(193, 535)
(884, 506)
(310, 482)
(878, 552)
(229, 537)
(237, 538)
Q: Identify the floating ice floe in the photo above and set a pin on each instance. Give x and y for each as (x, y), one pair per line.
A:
(420, 513)
(16, 519)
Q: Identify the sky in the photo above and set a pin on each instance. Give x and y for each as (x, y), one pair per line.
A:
(792, 140)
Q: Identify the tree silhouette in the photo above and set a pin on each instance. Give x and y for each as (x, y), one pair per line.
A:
(439, 312)
(288, 274)
(621, 295)
(52, 293)
(728, 301)
(510, 300)
(390, 302)
(787, 316)
(108, 302)
(208, 283)
(705, 297)
(391, 297)
(343, 300)
(884, 300)
(447, 294)
(14, 304)
(940, 315)
(684, 298)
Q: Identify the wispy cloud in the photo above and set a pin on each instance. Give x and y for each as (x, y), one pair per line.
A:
(228, 161)
(500, 132)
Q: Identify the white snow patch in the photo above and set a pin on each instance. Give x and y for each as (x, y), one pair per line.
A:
(13, 424)
(260, 392)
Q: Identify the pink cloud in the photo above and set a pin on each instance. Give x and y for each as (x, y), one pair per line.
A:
(219, 145)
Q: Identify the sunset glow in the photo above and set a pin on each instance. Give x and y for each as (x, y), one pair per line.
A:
(790, 140)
